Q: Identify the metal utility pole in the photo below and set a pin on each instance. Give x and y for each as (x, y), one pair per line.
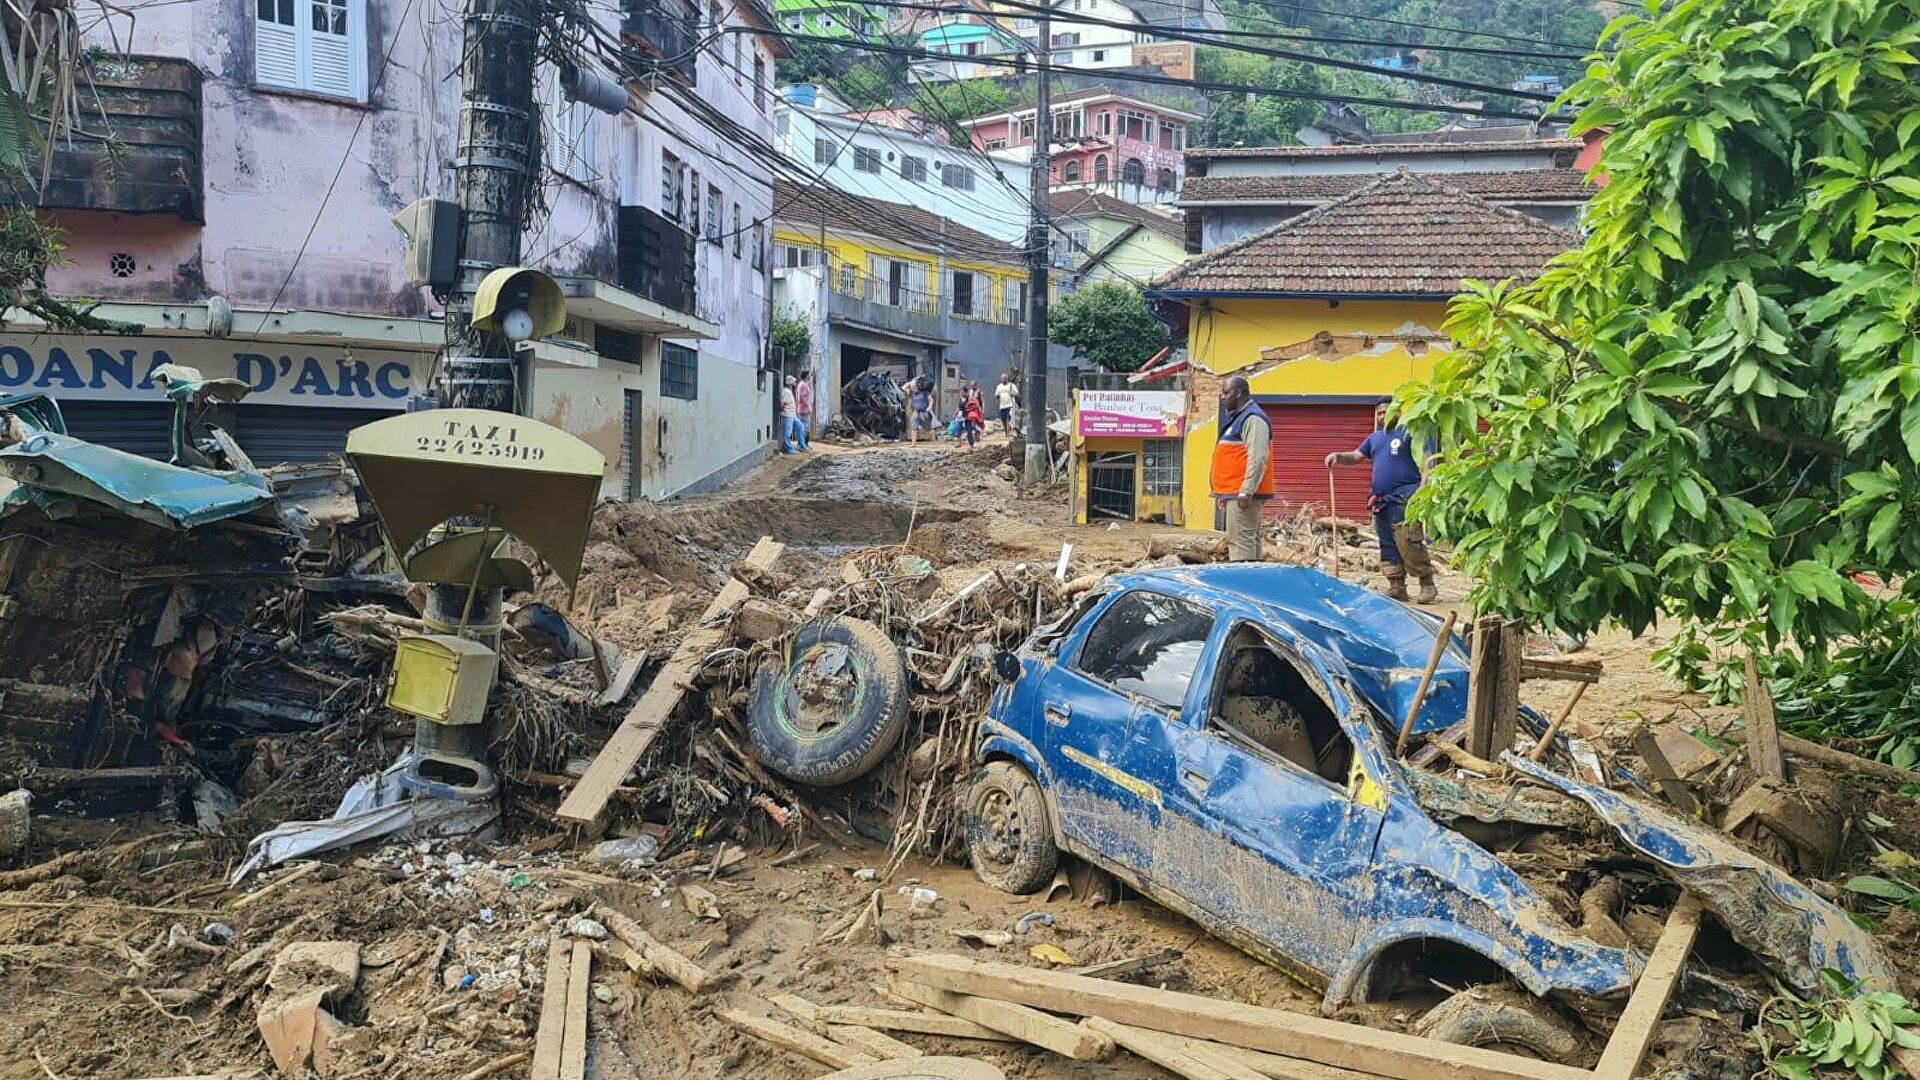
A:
(494, 166)
(1039, 459)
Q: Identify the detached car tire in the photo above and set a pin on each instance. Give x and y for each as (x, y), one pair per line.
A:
(828, 710)
(1009, 837)
(1505, 1018)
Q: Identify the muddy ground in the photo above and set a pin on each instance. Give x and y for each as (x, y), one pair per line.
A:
(128, 961)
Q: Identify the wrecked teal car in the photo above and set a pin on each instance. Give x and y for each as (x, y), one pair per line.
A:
(1221, 738)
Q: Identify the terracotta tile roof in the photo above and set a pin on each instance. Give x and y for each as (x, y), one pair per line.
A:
(1094, 204)
(1498, 146)
(1511, 185)
(806, 206)
(1401, 235)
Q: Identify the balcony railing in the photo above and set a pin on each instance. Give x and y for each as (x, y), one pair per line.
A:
(668, 31)
(851, 281)
(137, 150)
(656, 259)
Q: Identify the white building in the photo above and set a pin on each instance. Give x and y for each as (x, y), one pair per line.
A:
(1082, 39)
(868, 156)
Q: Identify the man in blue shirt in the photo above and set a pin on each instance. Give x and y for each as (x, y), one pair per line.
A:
(1396, 476)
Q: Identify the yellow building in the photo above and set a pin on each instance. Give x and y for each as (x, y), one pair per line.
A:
(1327, 314)
(891, 287)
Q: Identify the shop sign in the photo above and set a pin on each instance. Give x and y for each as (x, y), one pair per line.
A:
(1136, 414)
(104, 368)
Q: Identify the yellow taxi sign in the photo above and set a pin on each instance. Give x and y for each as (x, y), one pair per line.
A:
(532, 479)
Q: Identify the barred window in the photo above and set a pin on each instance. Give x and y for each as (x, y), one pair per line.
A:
(1160, 467)
(679, 372)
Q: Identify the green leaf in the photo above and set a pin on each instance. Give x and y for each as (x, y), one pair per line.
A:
(1700, 136)
(1691, 499)
(1881, 530)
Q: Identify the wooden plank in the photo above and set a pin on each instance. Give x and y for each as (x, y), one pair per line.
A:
(1483, 677)
(655, 954)
(622, 684)
(1560, 668)
(1665, 776)
(792, 1039)
(904, 1020)
(1063, 1037)
(553, 1011)
(797, 1007)
(1631, 1036)
(1278, 1066)
(1440, 642)
(573, 1040)
(1133, 965)
(1506, 702)
(644, 722)
(1190, 1061)
(885, 1047)
(1763, 725)
(1314, 1038)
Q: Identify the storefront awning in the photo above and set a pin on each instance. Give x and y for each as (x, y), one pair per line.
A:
(610, 305)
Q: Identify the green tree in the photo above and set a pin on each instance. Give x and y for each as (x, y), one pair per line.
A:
(1107, 323)
(790, 334)
(1711, 409)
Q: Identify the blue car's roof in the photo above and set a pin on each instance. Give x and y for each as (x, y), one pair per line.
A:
(1383, 644)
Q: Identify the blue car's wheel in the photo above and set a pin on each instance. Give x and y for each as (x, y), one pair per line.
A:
(828, 710)
(1008, 836)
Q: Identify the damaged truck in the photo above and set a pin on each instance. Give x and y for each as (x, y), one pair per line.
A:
(1223, 740)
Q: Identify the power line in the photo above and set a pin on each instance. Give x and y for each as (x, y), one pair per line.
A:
(1115, 75)
(1384, 21)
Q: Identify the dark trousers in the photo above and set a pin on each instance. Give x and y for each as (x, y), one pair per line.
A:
(1390, 514)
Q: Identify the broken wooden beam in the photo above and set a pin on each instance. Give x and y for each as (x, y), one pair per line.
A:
(1553, 730)
(1314, 1038)
(1277, 1066)
(860, 1037)
(630, 742)
(794, 1040)
(1666, 776)
(1440, 642)
(1840, 759)
(1132, 965)
(1026, 1024)
(1763, 724)
(655, 954)
(763, 620)
(1627, 1047)
(1493, 686)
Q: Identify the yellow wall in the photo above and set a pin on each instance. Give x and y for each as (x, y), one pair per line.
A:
(1230, 337)
(1145, 507)
(853, 250)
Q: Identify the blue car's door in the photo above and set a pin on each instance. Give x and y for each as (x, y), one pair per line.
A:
(1262, 767)
(1109, 715)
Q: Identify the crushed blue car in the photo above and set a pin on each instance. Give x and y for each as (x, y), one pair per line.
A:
(1221, 739)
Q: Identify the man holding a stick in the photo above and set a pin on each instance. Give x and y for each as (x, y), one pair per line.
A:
(1396, 476)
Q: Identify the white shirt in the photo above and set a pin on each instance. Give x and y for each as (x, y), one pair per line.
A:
(1008, 395)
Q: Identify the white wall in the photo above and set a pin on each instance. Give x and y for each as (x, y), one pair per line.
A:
(996, 205)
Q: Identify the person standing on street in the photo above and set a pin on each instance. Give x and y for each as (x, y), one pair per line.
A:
(973, 413)
(787, 419)
(1007, 396)
(1396, 476)
(920, 409)
(1242, 468)
(803, 410)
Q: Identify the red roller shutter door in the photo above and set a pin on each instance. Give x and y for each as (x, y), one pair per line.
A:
(1303, 435)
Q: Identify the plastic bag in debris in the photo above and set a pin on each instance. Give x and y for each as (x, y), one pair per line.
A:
(375, 807)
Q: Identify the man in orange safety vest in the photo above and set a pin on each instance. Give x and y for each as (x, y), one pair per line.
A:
(1242, 467)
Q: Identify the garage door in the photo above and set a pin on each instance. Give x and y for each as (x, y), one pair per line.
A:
(270, 434)
(1303, 435)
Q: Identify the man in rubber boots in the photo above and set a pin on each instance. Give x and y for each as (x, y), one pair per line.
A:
(1242, 467)
(1396, 476)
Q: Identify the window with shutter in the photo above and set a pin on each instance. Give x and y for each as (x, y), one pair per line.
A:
(569, 135)
(319, 46)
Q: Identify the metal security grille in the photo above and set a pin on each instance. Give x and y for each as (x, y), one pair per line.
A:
(1160, 467)
(1111, 477)
(630, 446)
(679, 372)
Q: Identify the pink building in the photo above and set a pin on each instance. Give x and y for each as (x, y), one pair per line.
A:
(1104, 142)
(243, 225)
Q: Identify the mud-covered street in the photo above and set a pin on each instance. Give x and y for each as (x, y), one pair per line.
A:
(127, 950)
